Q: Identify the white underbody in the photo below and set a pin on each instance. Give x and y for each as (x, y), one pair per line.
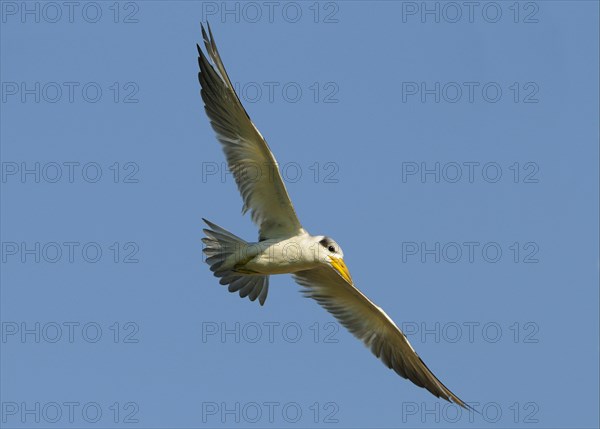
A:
(278, 256)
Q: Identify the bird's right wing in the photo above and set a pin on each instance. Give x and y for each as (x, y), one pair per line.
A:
(249, 158)
(370, 324)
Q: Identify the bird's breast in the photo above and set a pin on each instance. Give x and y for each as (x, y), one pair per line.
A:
(282, 256)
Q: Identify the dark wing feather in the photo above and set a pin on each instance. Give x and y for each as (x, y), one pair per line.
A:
(370, 324)
(249, 158)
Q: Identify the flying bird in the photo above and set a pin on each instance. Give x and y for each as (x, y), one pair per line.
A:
(284, 247)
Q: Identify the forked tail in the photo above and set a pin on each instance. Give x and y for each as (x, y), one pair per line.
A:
(221, 249)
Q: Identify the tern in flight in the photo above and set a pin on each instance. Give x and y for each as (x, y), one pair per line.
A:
(284, 247)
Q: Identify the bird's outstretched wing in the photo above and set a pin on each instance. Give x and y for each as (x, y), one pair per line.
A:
(372, 326)
(249, 158)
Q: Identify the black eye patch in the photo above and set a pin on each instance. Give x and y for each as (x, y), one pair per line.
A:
(324, 242)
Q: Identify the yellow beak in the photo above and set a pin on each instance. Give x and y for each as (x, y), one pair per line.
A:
(339, 265)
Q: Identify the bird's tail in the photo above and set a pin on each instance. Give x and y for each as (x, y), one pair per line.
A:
(221, 249)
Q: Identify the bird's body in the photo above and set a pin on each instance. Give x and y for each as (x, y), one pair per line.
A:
(285, 256)
(284, 247)
(276, 256)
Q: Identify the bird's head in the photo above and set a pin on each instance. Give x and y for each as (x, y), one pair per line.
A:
(330, 253)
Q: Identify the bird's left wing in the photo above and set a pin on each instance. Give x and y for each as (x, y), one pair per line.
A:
(249, 158)
(372, 325)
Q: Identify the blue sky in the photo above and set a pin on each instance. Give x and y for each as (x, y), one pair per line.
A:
(451, 150)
